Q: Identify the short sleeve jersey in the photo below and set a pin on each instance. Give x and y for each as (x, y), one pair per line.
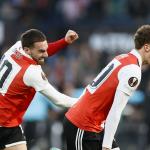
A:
(122, 73)
(20, 78)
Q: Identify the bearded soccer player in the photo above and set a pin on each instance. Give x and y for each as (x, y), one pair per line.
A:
(21, 76)
(92, 122)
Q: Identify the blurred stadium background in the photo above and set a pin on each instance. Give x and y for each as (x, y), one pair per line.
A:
(105, 28)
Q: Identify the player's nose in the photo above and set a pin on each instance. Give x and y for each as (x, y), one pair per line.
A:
(45, 54)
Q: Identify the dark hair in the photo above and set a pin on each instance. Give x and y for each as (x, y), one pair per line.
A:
(29, 37)
(142, 36)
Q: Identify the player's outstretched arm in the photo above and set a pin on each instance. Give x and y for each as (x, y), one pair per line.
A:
(58, 98)
(35, 77)
(56, 46)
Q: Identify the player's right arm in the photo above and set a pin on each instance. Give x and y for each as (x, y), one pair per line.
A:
(35, 77)
(129, 79)
(113, 118)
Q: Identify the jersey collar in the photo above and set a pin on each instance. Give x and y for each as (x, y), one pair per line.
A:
(137, 54)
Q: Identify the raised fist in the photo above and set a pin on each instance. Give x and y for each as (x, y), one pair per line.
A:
(71, 36)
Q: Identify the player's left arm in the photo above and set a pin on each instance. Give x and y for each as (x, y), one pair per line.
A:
(56, 46)
(58, 98)
(35, 77)
(129, 79)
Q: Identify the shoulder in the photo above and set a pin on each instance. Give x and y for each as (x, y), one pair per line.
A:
(35, 77)
(131, 69)
(127, 59)
(33, 72)
(34, 68)
(129, 78)
(13, 48)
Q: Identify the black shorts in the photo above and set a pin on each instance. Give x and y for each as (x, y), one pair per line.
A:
(78, 139)
(10, 136)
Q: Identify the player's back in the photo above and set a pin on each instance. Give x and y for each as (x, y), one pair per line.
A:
(15, 96)
(90, 112)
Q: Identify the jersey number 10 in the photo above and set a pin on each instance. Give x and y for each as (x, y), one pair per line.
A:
(103, 76)
(4, 72)
(8, 71)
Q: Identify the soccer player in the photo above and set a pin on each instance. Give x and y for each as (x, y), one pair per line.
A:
(21, 76)
(92, 122)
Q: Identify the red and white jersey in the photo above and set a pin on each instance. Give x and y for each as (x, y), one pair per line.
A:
(122, 73)
(20, 78)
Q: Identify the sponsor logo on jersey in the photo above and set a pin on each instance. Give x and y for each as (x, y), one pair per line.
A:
(133, 81)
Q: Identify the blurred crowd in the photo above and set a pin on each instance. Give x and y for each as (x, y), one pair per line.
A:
(105, 28)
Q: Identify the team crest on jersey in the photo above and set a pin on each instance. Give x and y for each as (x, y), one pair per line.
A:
(133, 81)
(43, 76)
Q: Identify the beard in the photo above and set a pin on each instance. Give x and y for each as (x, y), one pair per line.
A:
(40, 61)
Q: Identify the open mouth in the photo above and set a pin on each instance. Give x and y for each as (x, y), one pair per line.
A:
(41, 59)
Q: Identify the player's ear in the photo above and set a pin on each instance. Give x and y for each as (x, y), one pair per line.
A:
(147, 47)
(27, 50)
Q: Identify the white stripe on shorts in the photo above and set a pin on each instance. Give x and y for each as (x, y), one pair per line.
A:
(79, 137)
(16, 143)
(21, 129)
